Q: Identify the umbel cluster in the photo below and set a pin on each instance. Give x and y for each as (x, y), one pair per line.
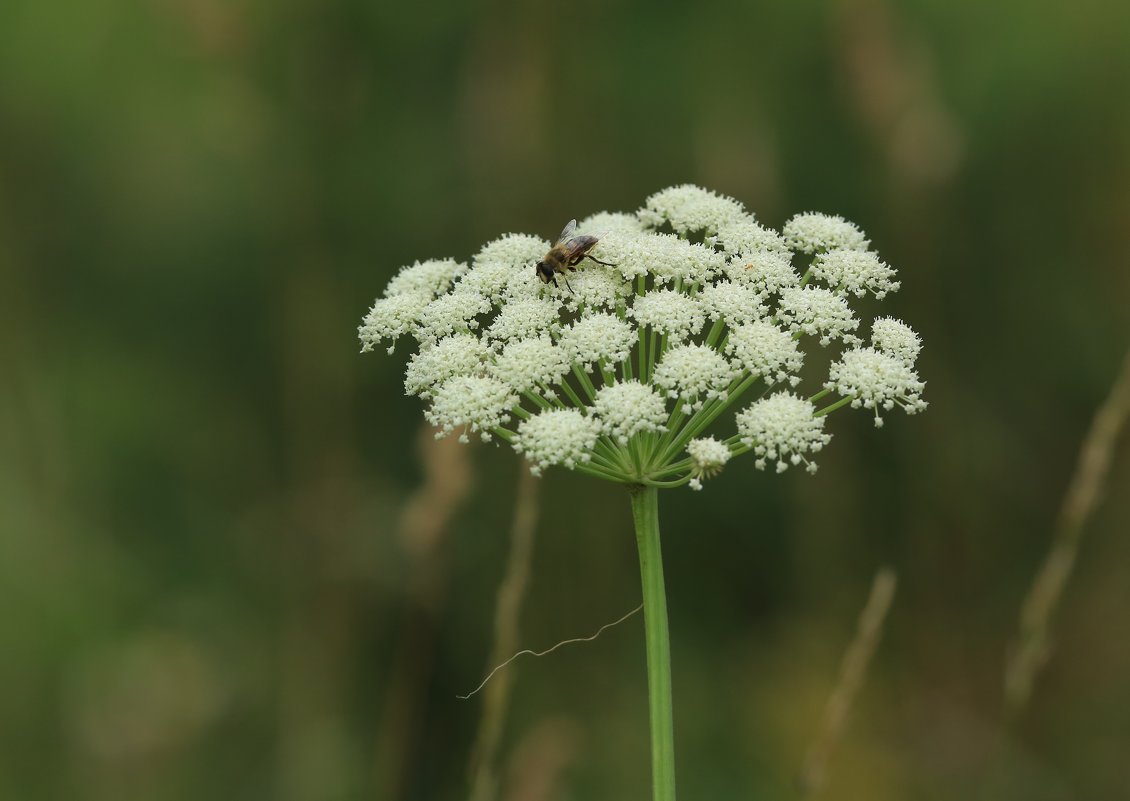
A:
(662, 320)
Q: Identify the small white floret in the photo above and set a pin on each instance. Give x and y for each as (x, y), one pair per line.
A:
(592, 286)
(748, 236)
(766, 271)
(665, 257)
(461, 354)
(478, 403)
(433, 276)
(528, 364)
(452, 313)
(694, 373)
(691, 208)
(731, 302)
(391, 318)
(765, 350)
(811, 232)
(708, 457)
(896, 338)
(855, 272)
(523, 318)
(605, 223)
(489, 279)
(876, 381)
(627, 408)
(557, 436)
(782, 429)
(817, 311)
(599, 337)
(669, 312)
(517, 251)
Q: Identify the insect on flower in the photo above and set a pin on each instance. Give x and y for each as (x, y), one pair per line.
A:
(567, 252)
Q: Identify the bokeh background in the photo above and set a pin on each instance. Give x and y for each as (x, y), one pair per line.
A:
(233, 564)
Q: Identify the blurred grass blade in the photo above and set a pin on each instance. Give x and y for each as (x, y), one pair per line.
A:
(508, 609)
(1032, 647)
(853, 671)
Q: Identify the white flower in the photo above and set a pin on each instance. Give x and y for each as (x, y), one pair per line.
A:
(669, 312)
(499, 349)
(812, 231)
(708, 457)
(767, 271)
(461, 354)
(731, 302)
(391, 318)
(765, 350)
(558, 436)
(815, 310)
(691, 208)
(503, 265)
(782, 428)
(488, 279)
(433, 276)
(525, 284)
(476, 402)
(748, 236)
(527, 364)
(525, 317)
(451, 313)
(896, 338)
(604, 223)
(627, 408)
(672, 259)
(514, 250)
(876, 380)
(664, 256)
(592, 287)
(597, 337)
(854, 271)
(694, 373)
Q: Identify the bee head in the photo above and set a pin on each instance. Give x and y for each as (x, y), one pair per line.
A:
(545, 273)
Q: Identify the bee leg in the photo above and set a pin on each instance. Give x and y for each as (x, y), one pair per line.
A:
(598, 261)
(567, 282)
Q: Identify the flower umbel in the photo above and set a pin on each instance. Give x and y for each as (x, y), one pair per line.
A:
(624, 373)
(674, 315)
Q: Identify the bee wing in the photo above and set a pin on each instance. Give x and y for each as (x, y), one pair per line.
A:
(579, 245)
(567, 231)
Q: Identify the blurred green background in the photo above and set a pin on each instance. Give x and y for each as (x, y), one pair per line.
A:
(232, 563)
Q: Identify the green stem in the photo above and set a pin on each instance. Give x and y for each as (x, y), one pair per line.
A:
(667, 484)
(608, 376)
(715, 332)
(644, 376)
(585, 381)
(707, 415)
(832, 407)
(593, 470)
(571, 393)
(645, 511)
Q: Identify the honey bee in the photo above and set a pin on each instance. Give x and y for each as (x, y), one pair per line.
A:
(567, 252)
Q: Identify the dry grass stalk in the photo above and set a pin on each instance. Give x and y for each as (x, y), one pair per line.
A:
(853, 671)
(508, 608)
(1032, 647)
(426, 518)
(539, 759)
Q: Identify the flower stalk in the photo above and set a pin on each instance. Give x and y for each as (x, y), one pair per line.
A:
(645, 513)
